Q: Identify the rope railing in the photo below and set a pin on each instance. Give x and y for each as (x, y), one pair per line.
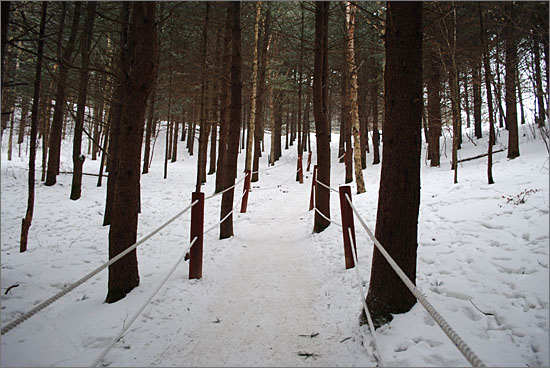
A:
(227, 189)
(326, 218)
(76, 284)
(363, 300)
(226, 216)
(326, 186)
(464, 349)
(140, 310)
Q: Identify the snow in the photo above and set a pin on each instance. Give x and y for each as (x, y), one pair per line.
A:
(275, 294)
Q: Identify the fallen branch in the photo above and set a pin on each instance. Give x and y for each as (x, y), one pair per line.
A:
(486, 313)
(478, 156)
(11, 287)
(308, 355)
(312, 335)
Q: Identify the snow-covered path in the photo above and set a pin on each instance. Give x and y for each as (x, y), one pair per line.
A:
(266, 308)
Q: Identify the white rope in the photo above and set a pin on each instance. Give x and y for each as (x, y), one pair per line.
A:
(365, 307)
(73, 286)
(326, 186)
(225, 190)
(326, 218)
(451, 334)
(226, 216)
(138, 313)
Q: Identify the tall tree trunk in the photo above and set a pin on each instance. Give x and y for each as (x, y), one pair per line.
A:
(225, 101)
(466, 100)
(115, 113)
(204, 123)
(54, 144)
(487, 65)
(137, 84)
(320, 96)
(345, 108)
(434, 109)
(300, 103)
(476, 82)
(149, 128)
(26, 223)
(85, 45)
(226, 227)
(511, 71)
(260, 100)
(399, 195)
(538, 83)
(351, 9)
(23, 121)
(4, 35)
(254, 92)
(175, 135)
(498, 86)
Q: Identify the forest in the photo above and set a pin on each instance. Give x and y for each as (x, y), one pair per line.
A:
(115, 114)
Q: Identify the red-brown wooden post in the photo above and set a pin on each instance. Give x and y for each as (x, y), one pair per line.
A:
(246, 190)
(300, 170)
(197, 228)
(347, 222)
(308, 161)
(313, 186)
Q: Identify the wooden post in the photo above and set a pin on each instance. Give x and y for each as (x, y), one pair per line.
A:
(308, 161)
(300, 170)
(313, 186)
(197, 228)
(347, 222)
(246, 190)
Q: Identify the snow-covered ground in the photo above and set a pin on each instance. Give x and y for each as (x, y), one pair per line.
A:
(275, 294)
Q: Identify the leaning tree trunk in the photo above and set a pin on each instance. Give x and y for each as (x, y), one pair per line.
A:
(226, 227)
(351, 9)
(510, 83)
(399, 195)
(85, 45)
(26, 223)
(320, 97)
(137, 84)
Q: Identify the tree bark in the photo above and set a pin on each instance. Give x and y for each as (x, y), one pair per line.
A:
(137, 84)
(226, 227)
(434, 109)
(510, 83)
(320, 96)
(351, 9)
(26, 222)
(399, 195)
(204, 123)
(85, 45)
(225, 101)
(476, 82)
(258, 120)
(54, 144)
(254, 92)
(487, 65)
